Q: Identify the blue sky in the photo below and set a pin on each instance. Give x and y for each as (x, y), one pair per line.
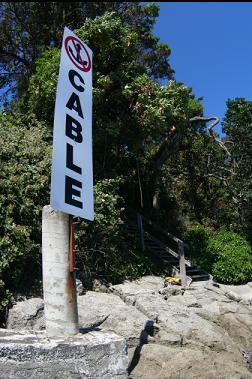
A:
(211, 47)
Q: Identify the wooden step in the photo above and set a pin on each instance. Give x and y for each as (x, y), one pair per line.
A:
(200, 277)
(193, 270)
(161, 252)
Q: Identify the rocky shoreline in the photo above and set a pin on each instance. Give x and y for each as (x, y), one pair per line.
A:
(203, 331)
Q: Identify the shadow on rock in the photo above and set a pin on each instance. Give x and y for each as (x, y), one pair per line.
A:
(149, 330)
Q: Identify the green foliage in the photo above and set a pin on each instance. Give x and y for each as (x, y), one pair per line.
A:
(233, 263)
(24, 190)
(193, 174)
(132, 113)
(225, 254)
(102, 241)
(25, 30)
(28, 28)
(197, 238)
(133, 266)
(238, 127)
(41, 94)
(6, 298)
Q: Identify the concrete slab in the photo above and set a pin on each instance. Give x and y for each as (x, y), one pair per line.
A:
(94, 355)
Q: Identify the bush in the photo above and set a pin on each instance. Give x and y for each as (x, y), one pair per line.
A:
(233, 263)
(226, 255)
(24, 190)
(197, 238)
(135, 265)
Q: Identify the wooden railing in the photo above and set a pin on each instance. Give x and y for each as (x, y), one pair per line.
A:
(180, 244)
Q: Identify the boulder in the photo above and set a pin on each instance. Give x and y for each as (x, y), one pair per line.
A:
(109, 313)
(166, 362)
(28, 314)
(129, 291)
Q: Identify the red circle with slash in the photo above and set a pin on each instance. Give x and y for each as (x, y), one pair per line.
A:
(74, 48)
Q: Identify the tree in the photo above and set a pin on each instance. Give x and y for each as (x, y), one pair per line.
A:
(133, 114)
(191, 178)
(238, 128)
(27, 28)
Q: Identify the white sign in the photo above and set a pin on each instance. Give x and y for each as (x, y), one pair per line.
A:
(72, 166)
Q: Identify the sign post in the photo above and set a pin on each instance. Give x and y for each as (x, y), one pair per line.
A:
(71, 184)
(72, 168)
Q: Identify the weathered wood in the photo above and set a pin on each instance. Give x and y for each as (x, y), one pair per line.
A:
(141, 230)
(182, 265)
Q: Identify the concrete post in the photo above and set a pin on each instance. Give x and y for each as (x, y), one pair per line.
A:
(59, 287)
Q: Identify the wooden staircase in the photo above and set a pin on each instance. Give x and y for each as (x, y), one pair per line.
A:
(172, 262)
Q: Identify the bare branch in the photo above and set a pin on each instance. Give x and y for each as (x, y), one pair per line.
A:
(206, 119)
(210, 130)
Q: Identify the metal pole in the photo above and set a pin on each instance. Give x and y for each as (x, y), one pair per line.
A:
(71, 245)
(60, 300)
(182, 266)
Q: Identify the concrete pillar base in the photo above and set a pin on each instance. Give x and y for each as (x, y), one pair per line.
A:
(59, 289)
(94, 355)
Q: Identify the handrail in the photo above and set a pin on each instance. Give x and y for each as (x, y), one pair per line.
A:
(168, 249)
(181, 245)
(155, 226)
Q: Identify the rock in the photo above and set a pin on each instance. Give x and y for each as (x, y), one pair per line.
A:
(183, 323)
(165, 362)
(110, 313)
(171, 291)
(173, 332)
(27, 314)
(96, 355)
(100, 286)
(241, 293)
(129, 291)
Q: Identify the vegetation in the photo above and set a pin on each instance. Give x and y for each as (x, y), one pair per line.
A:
(225, 254)
(233, 263)
(153, 148)
(24, 156)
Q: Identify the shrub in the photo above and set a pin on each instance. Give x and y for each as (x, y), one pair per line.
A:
(135, 265)
(233, 258)
(197, 238)
(24, 190)
(226, 255)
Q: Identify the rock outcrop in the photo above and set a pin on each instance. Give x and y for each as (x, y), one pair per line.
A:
(204, 331)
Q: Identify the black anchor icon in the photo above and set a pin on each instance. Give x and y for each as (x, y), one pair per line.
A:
(78, 56)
